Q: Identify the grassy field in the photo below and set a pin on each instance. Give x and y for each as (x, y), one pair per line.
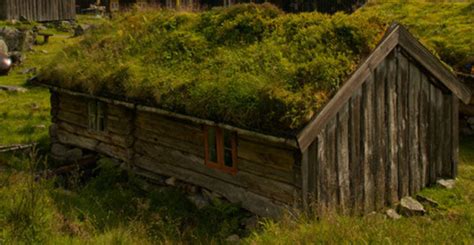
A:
(112, 208)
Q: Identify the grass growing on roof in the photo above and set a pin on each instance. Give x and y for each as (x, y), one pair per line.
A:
(248, 65)
(446, 27)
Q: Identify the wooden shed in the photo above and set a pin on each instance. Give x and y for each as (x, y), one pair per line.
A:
(38, 10)
(389, 131)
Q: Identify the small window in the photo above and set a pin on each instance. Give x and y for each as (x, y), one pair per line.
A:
(221, 149)
(97, 115)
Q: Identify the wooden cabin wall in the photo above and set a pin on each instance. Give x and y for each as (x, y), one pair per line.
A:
(38, 10)
(71, 118)
(396, 135)
(265, 180)
(268, 176)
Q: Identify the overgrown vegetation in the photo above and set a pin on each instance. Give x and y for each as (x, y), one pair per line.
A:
(446, 27)
(248, 65)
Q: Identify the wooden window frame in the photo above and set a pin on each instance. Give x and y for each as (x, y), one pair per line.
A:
(220, 150)
(97, 112)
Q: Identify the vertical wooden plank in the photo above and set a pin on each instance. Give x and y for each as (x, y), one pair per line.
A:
(331, 168)
(322, 177)
(432, 134)
(356, 175)
(402, 88)
(380, 148)
(440, 133)
(343, 158)
(425, 142)
(312, 175)
(392, 109)
(368, 141)
(304, 177)
(413, 115)
(447, 134)
(455, 136)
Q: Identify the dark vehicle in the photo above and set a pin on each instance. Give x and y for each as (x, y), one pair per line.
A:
(5, 64)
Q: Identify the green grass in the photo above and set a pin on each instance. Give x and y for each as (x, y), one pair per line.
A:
(111, 208)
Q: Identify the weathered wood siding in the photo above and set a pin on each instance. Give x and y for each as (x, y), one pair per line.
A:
(268, 176)
(71, 118)
(396, 135)
(265, 180)
(38, 10)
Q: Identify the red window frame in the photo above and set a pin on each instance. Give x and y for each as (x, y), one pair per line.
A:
(220, 150)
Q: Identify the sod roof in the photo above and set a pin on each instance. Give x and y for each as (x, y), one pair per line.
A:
(250, 66)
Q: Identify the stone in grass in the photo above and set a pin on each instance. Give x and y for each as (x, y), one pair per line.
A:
(13, 89)
(74, 154)
(59, 150)
(234, 238)
(392, 214)
(199, 201)
(410, 207)
(171, 181)
(427, 200)
(446, 183)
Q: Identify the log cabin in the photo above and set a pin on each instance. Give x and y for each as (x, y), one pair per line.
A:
(388, 131)
(38, 10)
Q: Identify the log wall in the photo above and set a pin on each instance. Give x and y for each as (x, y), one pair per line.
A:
(38, 10)
(396, 135)
(268, 176)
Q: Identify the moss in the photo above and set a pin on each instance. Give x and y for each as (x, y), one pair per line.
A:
(249, 65)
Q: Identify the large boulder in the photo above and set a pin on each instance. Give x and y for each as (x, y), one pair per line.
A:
(17, 40)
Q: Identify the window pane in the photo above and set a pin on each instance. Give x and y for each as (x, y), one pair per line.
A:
(227, 139)
(212, 145)
(92, 111)
(228, 162)
(100, 116)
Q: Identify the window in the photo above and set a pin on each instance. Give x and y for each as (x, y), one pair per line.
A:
(97, 112)
(221, 149)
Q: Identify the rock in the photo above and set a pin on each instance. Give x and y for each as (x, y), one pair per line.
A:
(3, 47)
(171, 181)
(14, 89)
(446, 183)
(73, 154)
(40, 126)
(23, 18)
(59, 150)
(392, 214)
(44, 51)
(198, 200)
(211, 195)
(250, 223)
(39, 28)
(17, 57)
(28, 71)
(234, 238)
(17, 40)
(427, 200)
(410, 207)
(81, 29)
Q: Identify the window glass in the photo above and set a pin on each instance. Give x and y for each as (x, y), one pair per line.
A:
(100, 116)
(92, 114)
(212, 144)
(228, 161)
